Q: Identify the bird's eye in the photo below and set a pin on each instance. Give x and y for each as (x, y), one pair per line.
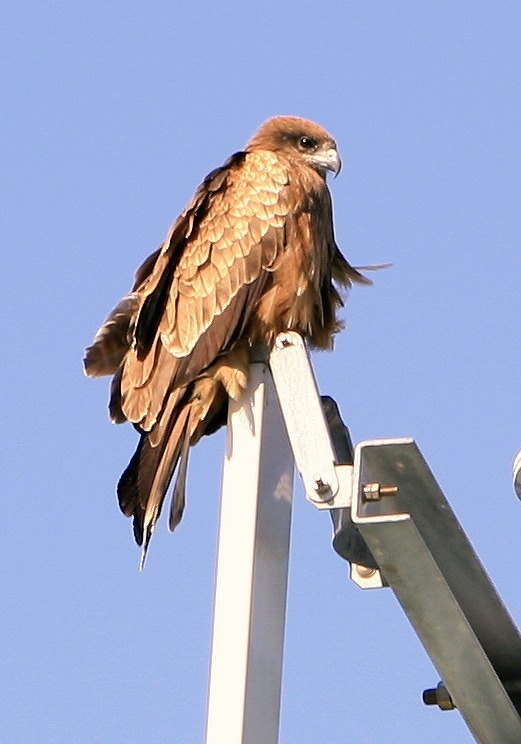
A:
(307, 143)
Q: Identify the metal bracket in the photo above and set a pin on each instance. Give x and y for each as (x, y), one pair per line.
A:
(327, 486)
(430, 565)
(395, 527)
(391, 522)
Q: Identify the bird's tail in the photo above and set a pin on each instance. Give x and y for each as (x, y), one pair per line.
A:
(163, 452)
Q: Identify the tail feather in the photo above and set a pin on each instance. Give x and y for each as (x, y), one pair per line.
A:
(167, 465)
(178, 496)
(163, 453)
(142, 487)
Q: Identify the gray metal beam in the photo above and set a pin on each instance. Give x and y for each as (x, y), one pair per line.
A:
(430, 565)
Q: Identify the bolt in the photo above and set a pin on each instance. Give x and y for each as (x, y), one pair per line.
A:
(375, 491)
(322, 489)
(283, 340)
(438, 696)
(429, 696)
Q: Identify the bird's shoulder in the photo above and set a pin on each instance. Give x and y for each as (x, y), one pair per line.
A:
(245, 181)
(245, 201)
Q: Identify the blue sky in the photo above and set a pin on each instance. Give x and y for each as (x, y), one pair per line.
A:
(113, 113)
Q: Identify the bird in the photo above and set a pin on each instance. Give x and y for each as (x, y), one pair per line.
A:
(252, 254)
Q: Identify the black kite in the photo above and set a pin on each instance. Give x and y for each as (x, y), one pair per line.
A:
(252, 254)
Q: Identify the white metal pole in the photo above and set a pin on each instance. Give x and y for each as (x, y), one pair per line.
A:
(252, 568)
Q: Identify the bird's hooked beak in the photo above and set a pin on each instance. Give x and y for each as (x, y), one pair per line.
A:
(334, 162)
(328, 159)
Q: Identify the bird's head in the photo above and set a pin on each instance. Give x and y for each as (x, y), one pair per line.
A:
(298, 137)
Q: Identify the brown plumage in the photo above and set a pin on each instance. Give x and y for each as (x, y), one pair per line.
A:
(252, 254)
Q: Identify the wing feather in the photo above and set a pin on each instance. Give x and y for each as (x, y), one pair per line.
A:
(111, 342)
(192, 298)
(236, 224)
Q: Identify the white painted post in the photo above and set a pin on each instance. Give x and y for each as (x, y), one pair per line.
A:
(252, 568)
